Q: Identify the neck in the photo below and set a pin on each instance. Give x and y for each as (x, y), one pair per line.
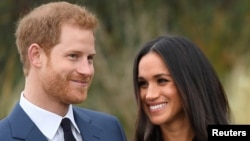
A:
(179, 131)
(37, 96)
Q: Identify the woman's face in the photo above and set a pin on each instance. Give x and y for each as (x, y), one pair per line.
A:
(159, 95)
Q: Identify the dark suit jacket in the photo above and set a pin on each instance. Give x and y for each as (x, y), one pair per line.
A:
(94, 126)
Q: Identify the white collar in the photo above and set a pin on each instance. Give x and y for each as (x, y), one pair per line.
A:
(47, 122)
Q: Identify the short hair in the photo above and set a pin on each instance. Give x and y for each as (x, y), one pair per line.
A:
(42, 25)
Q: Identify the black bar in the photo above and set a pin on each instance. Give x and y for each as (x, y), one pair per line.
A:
(223, 132)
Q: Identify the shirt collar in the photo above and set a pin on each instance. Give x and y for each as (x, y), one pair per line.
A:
(47, 122)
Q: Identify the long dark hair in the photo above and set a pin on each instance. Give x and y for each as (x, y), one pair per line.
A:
(204, 99)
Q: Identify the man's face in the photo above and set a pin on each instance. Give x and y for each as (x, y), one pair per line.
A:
(69, 69)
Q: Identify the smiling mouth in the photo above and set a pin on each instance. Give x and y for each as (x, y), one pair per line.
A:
(80, 83)
(157, 107)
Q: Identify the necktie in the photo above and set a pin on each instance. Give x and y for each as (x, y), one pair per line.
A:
(66, 125)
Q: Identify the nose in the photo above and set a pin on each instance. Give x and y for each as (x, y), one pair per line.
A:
(152, 92)
(85, 67)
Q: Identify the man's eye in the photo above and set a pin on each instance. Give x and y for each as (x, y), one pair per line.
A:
(91, 59)
(74, 56)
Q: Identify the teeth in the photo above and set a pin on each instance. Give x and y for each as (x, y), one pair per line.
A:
(155, 107)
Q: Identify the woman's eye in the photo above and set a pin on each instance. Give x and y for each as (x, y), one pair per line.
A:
(142, 84)
(162, 80)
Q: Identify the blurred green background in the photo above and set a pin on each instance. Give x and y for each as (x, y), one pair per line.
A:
(220, 27)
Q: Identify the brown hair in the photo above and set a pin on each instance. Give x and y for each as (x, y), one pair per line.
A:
(43, 25)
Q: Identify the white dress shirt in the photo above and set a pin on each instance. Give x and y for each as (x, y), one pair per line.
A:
(47, 122)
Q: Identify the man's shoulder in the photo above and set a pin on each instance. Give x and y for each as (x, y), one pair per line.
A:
(93, 113)
(4, 129)
(105, 122)
(96, 117)
(3, 123)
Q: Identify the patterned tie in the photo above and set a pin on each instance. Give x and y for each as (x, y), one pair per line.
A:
(66, 125)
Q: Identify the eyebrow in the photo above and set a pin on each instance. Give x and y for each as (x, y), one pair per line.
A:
(81, 52)
(157, 75)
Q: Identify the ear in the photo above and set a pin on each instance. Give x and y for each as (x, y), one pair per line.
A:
(35, 55)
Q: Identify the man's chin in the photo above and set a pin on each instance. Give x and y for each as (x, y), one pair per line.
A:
(78, 100)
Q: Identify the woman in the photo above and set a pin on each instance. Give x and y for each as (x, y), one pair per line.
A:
(177, 91)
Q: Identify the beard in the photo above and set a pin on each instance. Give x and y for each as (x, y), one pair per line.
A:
(58, 87)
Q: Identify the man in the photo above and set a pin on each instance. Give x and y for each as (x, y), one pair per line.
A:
(56, 46)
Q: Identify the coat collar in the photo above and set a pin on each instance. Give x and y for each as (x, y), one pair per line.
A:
(88, 130)
(23, 128)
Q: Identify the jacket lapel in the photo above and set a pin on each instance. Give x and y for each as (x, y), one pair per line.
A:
(22, 127)
(88, 130)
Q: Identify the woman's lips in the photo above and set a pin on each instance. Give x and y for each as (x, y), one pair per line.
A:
(157, 107)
